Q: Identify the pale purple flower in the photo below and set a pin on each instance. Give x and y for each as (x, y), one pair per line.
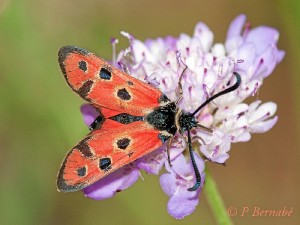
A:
(176, 182)
(253, 53)
(114, 183)
(89, 114)
(153, 162)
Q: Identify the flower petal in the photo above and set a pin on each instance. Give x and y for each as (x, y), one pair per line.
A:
(89, 114)
(153, 162)
(236, 26)
(168, 183)
(248, 54)
(175, 184)
(180, 206)
(264, 126)
(234, 39)
(113, 183)
(264, 111)
(204, 36)
(262, 37)
(217, 149)
(266, 62)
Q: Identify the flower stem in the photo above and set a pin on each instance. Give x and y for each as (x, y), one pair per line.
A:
(215, 200)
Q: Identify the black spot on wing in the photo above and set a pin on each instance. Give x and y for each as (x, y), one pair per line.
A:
(84, 148)
(65, 51)
(130, 154)
(61, 183)
(123, 143)
(82, 65)
(85, 89)
(81, 172)
(123, 94)
(130, 83)
(105, 74)
(105, 164)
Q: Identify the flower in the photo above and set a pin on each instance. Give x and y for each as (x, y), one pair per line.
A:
(175, 184)
(253, 53)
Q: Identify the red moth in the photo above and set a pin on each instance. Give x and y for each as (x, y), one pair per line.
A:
(134, 119)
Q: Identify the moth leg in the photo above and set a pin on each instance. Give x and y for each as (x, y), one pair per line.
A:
(124, 67)
(180, 85)
(179, 60)
(198, 137)
(205, 128)
(168, 150)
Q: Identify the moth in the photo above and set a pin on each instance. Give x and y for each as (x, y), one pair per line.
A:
(134, 119)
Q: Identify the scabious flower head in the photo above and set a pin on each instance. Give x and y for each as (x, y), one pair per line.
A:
(253, 53)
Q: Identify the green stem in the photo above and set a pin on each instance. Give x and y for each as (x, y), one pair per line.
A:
(215, 200)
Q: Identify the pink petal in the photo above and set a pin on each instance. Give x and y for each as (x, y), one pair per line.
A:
(254, 105)
(243, 137)
(182, 166)
(140, 51)
(262, 37)
(168, 183)
(217, 150)
(112, 184)
(234, 39)
(236, 26)
(264, 111)
(248, 54)
(180, 206)
(153, 162)
(221, 158)
(263, 126)
(89, 114)
(204, 35)
(280, 56)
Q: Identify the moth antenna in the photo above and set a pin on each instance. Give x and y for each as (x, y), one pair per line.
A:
(196, 170)
(230, 89)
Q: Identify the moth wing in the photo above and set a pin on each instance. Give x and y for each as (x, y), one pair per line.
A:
(103, 152)
(103, 85)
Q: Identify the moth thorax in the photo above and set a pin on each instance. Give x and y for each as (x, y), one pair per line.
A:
(163, 118)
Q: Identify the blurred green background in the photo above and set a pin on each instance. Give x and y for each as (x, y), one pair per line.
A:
(40, 118)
